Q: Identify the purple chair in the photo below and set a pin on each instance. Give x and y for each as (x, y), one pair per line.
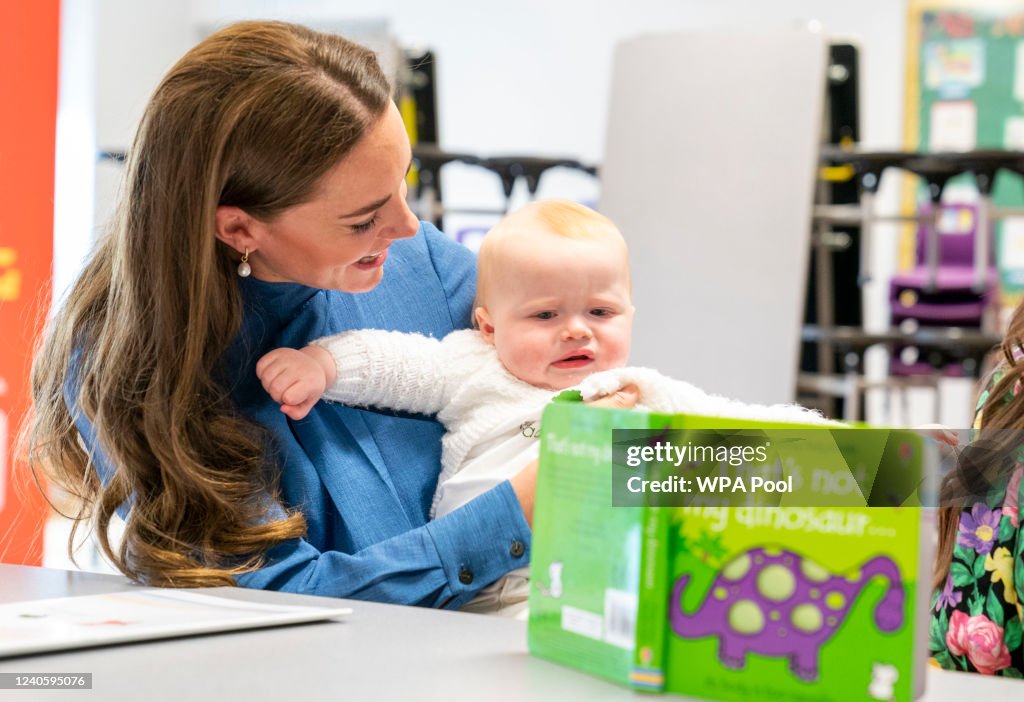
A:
(949, 297)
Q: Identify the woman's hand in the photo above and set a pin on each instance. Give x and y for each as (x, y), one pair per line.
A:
(524, 483)
(939, 432)
(296, 378)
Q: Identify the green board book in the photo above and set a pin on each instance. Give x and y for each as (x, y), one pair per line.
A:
(710, 593)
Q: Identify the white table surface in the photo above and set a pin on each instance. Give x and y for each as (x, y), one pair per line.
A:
(380, 652)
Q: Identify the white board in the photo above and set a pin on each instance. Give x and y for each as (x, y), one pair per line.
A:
(709, 172)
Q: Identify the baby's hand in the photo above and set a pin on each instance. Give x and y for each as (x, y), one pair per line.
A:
(623, 398)
(296, 377)
(644, 382)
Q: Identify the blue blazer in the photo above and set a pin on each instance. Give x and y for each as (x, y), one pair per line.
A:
(364, 479)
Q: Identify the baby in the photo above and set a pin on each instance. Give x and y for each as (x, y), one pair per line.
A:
(553, 308)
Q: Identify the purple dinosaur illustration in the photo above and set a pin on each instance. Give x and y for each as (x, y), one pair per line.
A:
(776, 603)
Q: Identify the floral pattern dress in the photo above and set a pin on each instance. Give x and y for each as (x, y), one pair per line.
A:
(976, 618)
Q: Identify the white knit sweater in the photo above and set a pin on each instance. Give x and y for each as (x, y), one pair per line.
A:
(460, 379)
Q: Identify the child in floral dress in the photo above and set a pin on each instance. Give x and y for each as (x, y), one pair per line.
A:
(976, 618)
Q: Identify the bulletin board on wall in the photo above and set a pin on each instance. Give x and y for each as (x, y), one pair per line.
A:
(965, 91)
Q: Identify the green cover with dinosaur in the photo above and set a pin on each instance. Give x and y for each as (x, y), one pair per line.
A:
(813, 598)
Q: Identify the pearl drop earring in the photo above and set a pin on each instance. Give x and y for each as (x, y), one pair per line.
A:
(243, 268)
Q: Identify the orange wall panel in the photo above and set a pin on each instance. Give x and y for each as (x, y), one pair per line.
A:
(29, 37)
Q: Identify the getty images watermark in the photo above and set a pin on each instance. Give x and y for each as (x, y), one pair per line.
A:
(812, 467)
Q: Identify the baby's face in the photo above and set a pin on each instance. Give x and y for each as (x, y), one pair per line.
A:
(559, 311)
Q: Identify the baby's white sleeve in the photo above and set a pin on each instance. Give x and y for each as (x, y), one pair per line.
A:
(387, 369)
(717, 406)
(659, 393)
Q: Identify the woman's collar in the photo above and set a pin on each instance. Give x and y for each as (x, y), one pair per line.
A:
(279, 301)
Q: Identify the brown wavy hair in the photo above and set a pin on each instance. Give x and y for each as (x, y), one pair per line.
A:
(989, 459)
(252, 117)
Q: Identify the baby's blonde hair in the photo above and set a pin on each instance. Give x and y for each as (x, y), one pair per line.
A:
(563, 218)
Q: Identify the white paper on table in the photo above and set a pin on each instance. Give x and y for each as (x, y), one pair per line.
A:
(94, 620)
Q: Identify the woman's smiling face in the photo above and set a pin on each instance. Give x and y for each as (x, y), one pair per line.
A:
(339, 239)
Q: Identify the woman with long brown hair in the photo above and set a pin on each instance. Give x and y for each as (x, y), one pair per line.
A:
(264, 197)
(977, 612)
